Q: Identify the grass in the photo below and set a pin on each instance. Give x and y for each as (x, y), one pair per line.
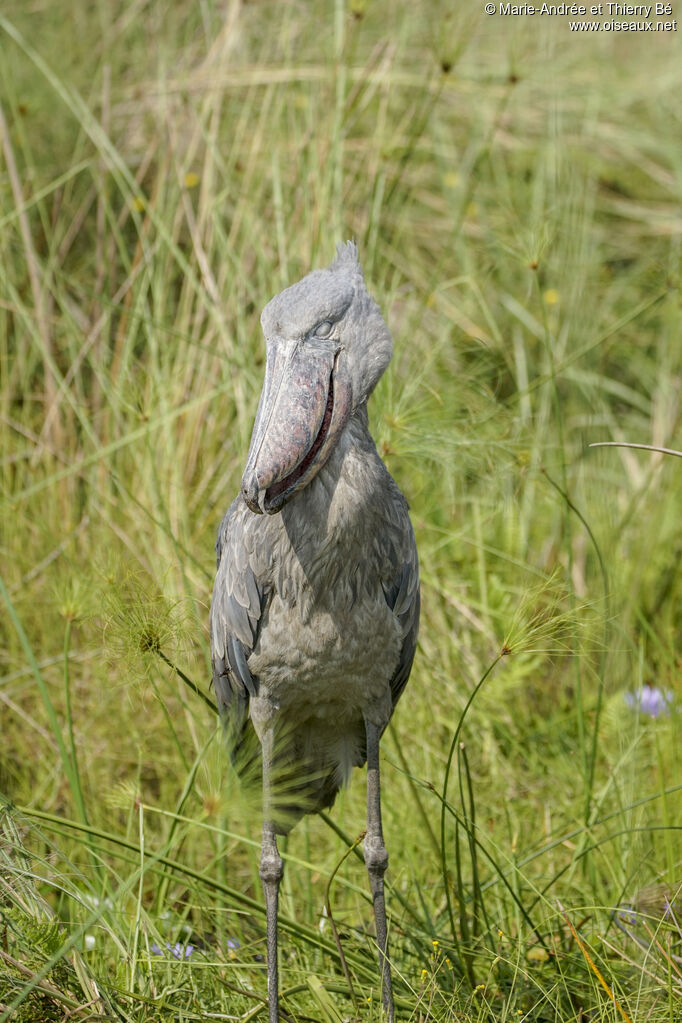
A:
(515, 193)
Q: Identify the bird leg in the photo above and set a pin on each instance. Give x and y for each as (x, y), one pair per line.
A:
(376, 859)
(271, 871)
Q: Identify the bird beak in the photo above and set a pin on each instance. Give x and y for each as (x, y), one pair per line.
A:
(304, 406)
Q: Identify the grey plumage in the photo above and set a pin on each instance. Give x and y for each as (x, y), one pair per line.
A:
(316, 603)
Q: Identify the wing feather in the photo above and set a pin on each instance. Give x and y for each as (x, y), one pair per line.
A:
(402, 596)
(236, 609)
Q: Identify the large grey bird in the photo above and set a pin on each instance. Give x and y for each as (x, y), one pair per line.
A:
(316, 601)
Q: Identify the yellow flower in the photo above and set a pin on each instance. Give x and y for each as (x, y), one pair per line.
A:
(191, 180)
(551, 296)
(425, 974)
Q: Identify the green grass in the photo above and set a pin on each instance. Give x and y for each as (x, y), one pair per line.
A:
(515, 191)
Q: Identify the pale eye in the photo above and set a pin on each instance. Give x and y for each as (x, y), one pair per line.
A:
(323, 330)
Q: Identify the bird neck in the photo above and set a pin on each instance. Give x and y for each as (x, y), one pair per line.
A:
(355, 448)
(343, 491)
(360, 417)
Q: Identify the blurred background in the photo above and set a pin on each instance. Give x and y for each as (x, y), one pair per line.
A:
(514, 189)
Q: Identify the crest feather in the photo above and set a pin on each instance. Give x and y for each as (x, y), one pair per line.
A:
(346, 258)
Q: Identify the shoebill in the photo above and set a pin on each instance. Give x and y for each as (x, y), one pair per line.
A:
(316, 601)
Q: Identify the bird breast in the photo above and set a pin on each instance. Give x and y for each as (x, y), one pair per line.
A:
(327, 664)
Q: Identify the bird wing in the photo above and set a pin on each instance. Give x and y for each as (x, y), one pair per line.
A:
(238, 602)
(402, 596)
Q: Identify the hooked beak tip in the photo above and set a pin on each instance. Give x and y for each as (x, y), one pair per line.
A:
(254, 496)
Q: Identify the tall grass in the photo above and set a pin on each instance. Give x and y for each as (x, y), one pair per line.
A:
(515, 195)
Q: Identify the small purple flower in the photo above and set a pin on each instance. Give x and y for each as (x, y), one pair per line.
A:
(627, 914)
(650, 701)
(178, 951)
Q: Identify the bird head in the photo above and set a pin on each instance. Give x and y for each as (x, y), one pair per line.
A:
(327, 345)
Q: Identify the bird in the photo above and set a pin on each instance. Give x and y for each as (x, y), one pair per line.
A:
(315, 608)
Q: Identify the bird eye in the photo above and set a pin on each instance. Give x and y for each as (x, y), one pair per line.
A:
(323, 330)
